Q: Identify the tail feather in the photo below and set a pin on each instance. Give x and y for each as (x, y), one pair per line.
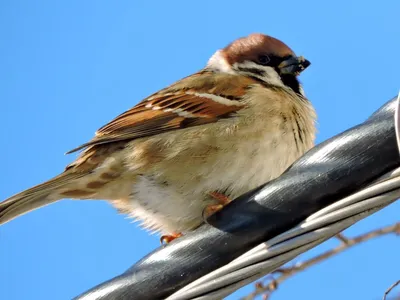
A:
(35, 197)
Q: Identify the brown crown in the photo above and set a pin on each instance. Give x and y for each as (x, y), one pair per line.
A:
(250, 47)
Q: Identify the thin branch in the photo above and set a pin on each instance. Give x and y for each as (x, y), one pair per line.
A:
(270, 283)
(390, 289)
(342, 238)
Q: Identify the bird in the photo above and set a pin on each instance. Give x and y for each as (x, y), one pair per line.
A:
(193, 146)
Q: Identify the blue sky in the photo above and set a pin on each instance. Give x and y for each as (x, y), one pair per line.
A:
(68, 67)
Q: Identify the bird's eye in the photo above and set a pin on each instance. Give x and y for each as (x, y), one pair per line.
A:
(264, 59)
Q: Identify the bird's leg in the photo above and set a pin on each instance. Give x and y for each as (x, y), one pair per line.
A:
(213, 208)
(221, 198)
(166, 239)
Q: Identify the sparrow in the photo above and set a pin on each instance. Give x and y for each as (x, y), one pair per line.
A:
(193, 146)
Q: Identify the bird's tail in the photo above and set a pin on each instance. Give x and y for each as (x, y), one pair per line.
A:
(40, 195)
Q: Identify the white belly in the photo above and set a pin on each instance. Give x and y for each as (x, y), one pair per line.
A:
(178, 206)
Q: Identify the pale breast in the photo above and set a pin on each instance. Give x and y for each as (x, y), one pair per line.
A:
(233, 157)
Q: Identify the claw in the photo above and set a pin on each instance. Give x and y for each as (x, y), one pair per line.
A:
(210, 210)
(221, 198)
(213, 208)
(166, 239)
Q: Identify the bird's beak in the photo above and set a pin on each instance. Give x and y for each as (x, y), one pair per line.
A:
(293, 65)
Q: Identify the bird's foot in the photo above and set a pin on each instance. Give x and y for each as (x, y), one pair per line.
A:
(166, 239)
(221, 198)
(213, 208)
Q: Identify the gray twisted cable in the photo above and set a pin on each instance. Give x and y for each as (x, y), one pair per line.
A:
(316, 229)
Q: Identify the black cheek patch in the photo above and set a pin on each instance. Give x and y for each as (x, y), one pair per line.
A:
(292, 82)
(254, 71)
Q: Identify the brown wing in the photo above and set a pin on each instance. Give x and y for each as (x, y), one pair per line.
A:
(202, 98)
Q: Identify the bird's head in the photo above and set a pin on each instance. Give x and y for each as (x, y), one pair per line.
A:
(262, 57)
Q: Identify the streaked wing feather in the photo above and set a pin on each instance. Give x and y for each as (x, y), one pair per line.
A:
(199, 99)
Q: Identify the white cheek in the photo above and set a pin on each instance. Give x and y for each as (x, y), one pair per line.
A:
(218, 62)
(270, 75)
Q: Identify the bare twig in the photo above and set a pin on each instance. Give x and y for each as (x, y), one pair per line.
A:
(390, 289)
(270, 283)
(342, 238)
